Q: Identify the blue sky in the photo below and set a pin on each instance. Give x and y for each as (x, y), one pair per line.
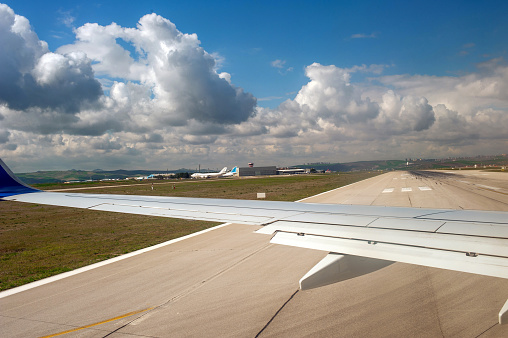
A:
(412, 53)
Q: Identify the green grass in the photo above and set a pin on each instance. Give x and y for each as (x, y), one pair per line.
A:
(38, 241)
(277, 188)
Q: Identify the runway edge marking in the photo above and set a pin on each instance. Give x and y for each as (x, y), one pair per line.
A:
(99, 264)
(344, 186)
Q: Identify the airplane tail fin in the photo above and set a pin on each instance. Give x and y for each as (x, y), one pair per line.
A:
(234, 170)
(224, 170)
(10, 184)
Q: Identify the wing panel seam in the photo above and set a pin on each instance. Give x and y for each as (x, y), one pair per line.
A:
(374, 242)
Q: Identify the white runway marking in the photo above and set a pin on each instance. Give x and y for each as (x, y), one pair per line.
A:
(388, 190)
(487, 187)
(406, 189)
(99, 264)
(424, 188)
(481, 185)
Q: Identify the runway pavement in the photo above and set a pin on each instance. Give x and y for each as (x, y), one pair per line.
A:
(232, 282)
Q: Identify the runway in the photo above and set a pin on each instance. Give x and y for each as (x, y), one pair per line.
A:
(232, 282)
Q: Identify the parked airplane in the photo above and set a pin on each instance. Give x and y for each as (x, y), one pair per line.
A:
(210, 175)
(231, 173)
(360, 239)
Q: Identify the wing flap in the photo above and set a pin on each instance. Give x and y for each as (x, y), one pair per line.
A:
(470, 216)
(475, 229)
(444, 242)
(452, 260)
(329, 218)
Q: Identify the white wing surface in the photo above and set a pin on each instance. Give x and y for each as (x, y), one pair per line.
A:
(462, 240)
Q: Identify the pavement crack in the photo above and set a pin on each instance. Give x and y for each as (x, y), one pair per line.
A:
(486, 330)
(125, 325)
(430, 286)
(199, 284)
(276, 313)
(191, 289)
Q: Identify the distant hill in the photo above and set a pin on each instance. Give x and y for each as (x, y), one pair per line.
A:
(83, 175)
(413, 164)
(356, 166)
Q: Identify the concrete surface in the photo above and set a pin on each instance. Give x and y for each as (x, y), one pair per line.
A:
(232, 282)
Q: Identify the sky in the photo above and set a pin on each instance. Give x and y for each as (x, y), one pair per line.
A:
(168, 85)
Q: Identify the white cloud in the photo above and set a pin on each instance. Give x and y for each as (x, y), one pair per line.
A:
(281, 66)
(4, 136)
(181, 76)
(66, 18)
(364, 36)
(278, 64)
(33, 77)
(329, 94)
(411, 116)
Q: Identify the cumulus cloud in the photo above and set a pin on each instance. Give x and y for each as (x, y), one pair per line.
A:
(401, 115)
(181, 76)
(329, 94)
(31, 76)
(154, 77)
(4, 136)
(422, 116)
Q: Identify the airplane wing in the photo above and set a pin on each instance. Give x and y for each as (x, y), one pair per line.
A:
(360, 239)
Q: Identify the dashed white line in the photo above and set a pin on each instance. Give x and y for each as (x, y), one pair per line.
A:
(424, 188)
(388, 190)
(406, 189)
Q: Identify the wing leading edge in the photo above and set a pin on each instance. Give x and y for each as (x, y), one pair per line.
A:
(460, 240)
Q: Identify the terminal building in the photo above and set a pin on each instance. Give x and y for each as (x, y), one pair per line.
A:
(257, 171)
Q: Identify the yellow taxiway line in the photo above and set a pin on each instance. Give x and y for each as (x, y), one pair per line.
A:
(99, 323)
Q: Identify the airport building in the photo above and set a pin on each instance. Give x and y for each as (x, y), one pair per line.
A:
(257, 171)
(292, 171)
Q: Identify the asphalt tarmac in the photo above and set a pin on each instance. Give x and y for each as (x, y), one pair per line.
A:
(232, 282)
